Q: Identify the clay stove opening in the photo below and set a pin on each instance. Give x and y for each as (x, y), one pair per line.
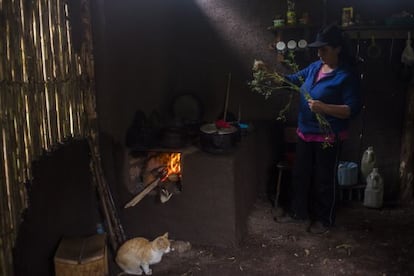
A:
(154, 173)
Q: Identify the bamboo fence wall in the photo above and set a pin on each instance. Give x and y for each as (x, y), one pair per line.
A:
(46, 97)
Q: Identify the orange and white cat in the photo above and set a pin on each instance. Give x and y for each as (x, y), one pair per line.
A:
(137, 254)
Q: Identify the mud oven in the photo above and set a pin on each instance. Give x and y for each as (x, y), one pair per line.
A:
(204, 199)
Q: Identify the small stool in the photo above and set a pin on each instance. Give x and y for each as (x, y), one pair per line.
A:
(289, 139)
(82, 256)
(351, 191)
(281, 167)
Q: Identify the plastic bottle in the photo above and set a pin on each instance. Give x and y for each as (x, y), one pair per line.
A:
(99, 228)
(347, 173)
(368, 162)
(374, 191)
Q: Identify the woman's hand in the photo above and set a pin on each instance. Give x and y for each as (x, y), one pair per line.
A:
(259, 65)
(316, 106)
(261, 69)
(339, 111)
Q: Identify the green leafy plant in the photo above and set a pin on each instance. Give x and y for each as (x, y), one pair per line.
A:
(266, 82)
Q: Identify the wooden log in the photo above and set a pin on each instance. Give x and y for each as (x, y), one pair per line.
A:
(143, 193)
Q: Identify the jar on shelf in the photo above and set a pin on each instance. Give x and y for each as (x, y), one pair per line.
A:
(291, 13)
(278, 22)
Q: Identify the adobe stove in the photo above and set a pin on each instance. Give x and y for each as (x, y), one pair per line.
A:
(203, 188)
(194, 195)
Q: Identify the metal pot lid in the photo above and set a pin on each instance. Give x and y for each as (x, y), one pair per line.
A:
(280, 46)
(302, 44)
(227, 130)
(291, 45)
(209, 128)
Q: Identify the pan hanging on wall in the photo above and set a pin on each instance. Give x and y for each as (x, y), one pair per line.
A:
(187, 109)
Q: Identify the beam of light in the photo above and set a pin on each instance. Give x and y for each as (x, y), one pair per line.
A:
(239, 29)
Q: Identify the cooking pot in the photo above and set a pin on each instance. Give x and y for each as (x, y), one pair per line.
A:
(218, 140)
(174, 137)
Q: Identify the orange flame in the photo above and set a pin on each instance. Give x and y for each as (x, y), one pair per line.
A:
(174, 163)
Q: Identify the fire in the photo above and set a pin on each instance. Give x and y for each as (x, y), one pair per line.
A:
(170, 162)
(174, 164)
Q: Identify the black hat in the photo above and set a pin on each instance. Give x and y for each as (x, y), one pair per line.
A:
(330, 35)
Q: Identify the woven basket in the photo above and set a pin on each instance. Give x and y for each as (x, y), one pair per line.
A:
(82, 257)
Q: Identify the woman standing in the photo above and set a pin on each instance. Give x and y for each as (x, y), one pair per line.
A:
(334, 89)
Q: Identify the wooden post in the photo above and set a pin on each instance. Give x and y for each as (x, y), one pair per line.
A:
(407, 151)
(226, 103)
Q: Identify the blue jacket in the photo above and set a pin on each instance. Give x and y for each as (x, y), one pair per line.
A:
(341, 87)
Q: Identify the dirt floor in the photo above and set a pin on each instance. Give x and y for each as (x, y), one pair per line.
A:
(364, 242)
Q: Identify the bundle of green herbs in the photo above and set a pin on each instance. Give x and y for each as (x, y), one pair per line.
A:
(266, 82)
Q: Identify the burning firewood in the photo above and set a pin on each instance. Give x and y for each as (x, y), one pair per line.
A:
(161, 173)
(162, 170)
(142, 194)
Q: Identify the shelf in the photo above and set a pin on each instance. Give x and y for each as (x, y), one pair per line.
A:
(379, 32)
(291, 27)
(295, 32)
(358, 32)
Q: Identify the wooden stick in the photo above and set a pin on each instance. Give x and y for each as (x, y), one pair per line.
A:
(239, 114)
(226, 103)
(142, 194)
